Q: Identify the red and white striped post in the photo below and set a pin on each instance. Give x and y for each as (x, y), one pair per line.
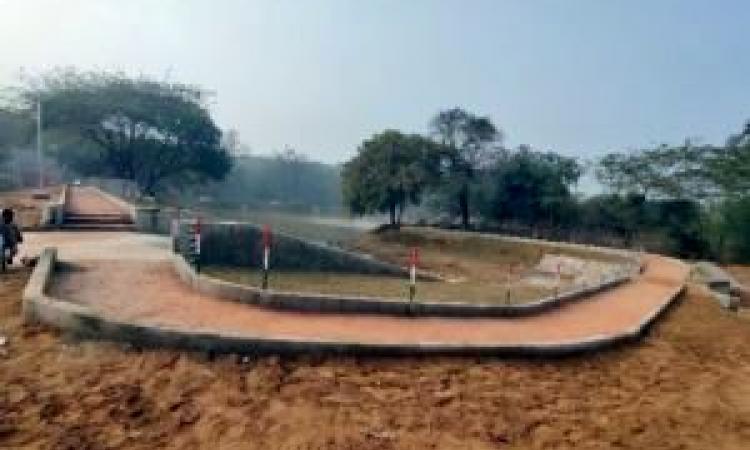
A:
(413, 263)
(266, 254)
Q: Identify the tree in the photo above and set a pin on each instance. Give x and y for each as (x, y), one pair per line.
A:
(729, 167)
(293, 163)
(471, 142)
(15, 130)
(147, 131)
(390, 170)
(665, 172)
(271, 181)
(532, 187)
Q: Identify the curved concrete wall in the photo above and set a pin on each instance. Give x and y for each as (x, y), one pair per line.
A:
(53, 213)
(84, 322)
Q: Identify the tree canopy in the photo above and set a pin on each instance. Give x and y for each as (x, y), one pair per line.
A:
(15, 129)
(662, 172)
(729, 168)
(143, 130)
(532, 187)
(470, 142)
(286, 181)
(390, 170)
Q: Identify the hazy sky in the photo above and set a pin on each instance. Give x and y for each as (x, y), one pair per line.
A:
(580, 77)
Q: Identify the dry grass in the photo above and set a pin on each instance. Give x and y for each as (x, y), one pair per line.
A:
(480, 270)
(464, 255)
(685, 387)
(495, 292)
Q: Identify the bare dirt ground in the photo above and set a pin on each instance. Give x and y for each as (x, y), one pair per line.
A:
(741, 274)
(27, 208)
(88, 200)
(685, 387)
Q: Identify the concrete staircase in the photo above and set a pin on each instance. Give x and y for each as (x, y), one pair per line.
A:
(97, 222)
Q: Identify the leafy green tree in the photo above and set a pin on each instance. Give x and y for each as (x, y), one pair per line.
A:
(729, 216)
(665, 172)
(729, 166)
(16, 129)
(147, 131)
(470, 142)
(390, 170)
(533, 187)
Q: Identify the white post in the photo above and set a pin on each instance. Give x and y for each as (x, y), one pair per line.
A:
(39, 142)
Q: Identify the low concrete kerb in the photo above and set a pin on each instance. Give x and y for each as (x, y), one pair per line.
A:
(339, 304)
(86, 323)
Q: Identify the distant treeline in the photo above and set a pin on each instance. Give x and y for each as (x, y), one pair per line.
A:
(687, 200)
(287, 181)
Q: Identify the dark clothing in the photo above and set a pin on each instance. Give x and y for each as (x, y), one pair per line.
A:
(11, 235)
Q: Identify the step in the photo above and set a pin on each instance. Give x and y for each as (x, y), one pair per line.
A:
(97, 216)
(103, 219)
(97, 227)
(98, 221)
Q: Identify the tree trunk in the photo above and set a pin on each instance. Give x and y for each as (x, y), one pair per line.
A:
(463, 205)
(392, 210)
(400, 214)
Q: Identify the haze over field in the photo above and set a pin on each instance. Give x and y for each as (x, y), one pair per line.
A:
(578, 77)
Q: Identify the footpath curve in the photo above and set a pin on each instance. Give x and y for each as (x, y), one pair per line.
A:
(122, 286)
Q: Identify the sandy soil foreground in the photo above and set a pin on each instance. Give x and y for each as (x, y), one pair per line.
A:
(685, 387)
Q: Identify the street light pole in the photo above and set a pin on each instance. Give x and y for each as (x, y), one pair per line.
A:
(39, 142)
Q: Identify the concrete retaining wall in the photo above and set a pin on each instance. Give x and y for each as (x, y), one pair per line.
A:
(240, 244)
(298, 301)
(53, 213)
(83, 322)
(727, 291)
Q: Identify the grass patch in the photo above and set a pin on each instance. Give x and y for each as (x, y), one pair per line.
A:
(384, 286)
